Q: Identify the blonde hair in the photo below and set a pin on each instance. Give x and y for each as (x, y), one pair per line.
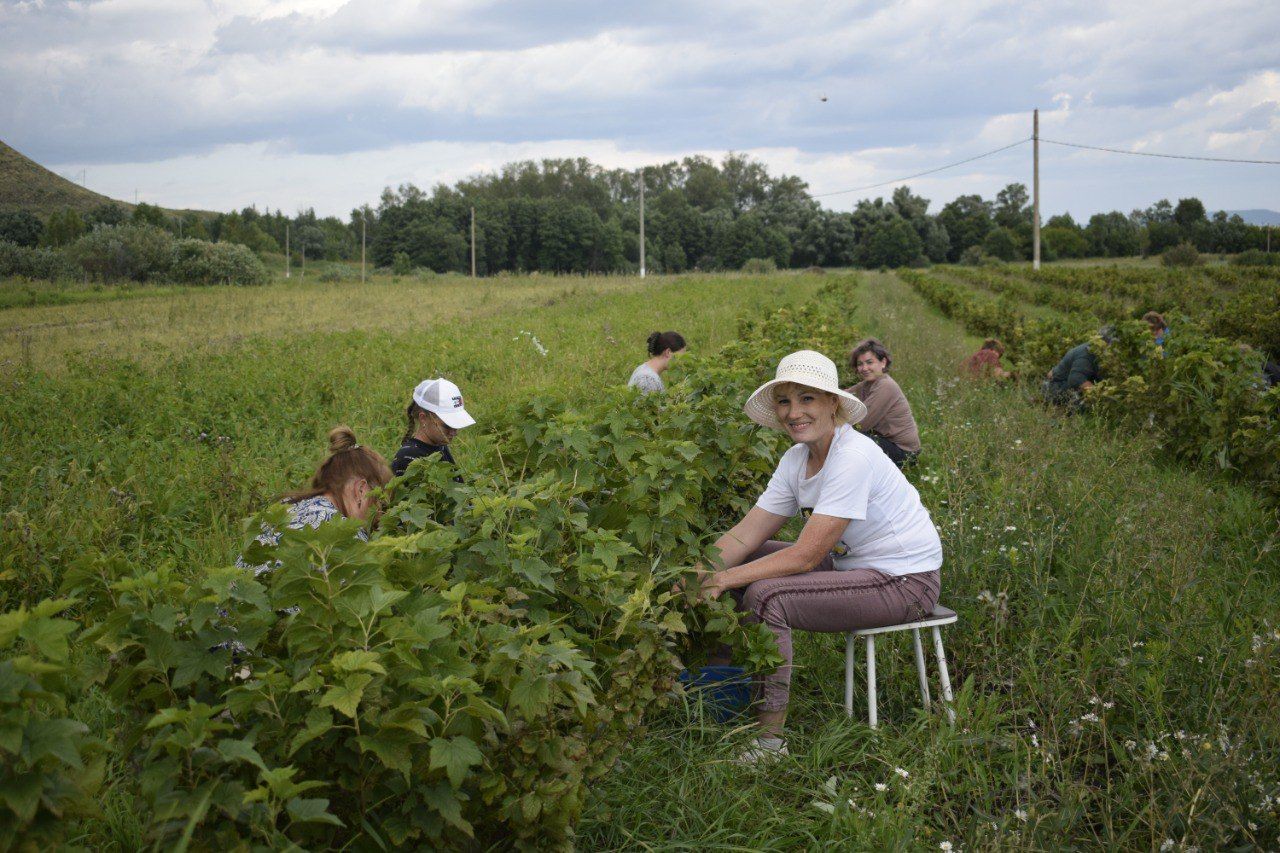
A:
(787, 388)
(347, 461)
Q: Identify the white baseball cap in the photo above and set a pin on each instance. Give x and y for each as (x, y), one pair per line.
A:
(444, 399)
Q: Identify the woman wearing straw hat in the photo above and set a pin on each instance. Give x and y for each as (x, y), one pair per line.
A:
(868, 555)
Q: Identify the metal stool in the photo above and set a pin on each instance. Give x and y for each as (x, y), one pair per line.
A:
(935, 620)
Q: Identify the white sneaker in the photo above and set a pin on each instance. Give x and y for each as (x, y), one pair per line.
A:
(763, 751)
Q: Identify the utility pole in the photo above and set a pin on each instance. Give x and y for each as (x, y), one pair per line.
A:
(363, 222)
(473, 242)
(287, 256)
(642, 222)
(1035, 182)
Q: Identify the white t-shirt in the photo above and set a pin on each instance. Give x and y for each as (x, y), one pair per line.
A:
(889, 528)
(646, 379)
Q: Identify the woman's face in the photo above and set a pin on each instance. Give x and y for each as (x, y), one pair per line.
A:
(808, 415)
(869, 367)
(434, 429)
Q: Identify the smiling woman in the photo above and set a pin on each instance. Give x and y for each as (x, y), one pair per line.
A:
(868, 554)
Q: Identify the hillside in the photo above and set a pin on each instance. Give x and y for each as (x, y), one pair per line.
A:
(26, 185)
(1257, 217)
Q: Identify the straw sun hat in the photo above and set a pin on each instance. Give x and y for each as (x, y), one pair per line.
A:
(812, 370)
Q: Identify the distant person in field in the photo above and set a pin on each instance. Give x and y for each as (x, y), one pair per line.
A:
(889, 422)
(435, 415)
(868, 554)
(343, 485)
(985, 363)
(663, 346)
(1159, 328)
(1075, 373)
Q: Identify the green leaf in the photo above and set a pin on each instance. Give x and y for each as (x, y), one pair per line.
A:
(455, 755)
(355, 661)
(240, 750)
(311, 811)
(311, 682)
(530, 694)
(345, 697)
(22, 795)
(392, 746)
(48, 636)
(319, 721)
(55, 738)
(445, 800)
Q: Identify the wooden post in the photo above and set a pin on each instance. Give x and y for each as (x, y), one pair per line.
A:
(363, 218)
(642, 223)
(287, 257)
(473, 242)
(1035, 180)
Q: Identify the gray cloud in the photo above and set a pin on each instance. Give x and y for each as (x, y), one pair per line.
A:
(907, 83)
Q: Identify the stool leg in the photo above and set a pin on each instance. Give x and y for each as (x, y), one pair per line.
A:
(871, 679)
(849, 643)
(920, 670)
(943, 675)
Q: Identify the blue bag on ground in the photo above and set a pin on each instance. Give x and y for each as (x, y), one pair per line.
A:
(725, 691)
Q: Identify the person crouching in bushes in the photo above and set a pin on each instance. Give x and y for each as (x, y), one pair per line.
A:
(435, 415)
(1159, 328)
(889, 422)
(1075, 373)
(985, 363)
(343, 485)
(868, 554)
(663, 346)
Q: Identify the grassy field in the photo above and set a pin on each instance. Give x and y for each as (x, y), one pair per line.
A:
(1117, 648)
(127, 433)
(1116, 645)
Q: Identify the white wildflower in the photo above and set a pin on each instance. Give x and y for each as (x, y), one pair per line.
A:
(880, 786)
(1021, 814)
(945, 847)
(904, 774)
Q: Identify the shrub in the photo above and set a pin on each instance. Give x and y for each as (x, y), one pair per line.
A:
(201, 262)
(815, 270)
(30, 262)
(21, 227)
(973, 256)
(462, 677)
(1256, 258)
(136, 252)
(401, 264)
(760, 266)
(1182, 255)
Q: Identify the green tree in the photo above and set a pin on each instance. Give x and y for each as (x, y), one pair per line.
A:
(1002, 243)
(21, 227)
(1112, 235)
(1061, 242)
(967, 220)
(1011, 208)
(149, 214)
(1189, 213)
(891, 242)
(64, 227)
(107, 213)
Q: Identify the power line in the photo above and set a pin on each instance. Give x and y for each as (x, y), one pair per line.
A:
(1166, 156)
(927, 171)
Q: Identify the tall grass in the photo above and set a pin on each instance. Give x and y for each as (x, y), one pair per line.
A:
(1116, 652)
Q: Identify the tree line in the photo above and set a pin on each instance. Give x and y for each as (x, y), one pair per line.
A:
(573, 216)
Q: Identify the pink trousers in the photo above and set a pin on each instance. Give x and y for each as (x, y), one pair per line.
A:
(828, 600)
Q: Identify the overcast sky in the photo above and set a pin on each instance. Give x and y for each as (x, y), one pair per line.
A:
(217, 104)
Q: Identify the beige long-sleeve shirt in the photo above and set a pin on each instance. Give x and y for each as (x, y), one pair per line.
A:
(888, 412)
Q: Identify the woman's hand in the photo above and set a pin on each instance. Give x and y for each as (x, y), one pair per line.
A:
(710, 585)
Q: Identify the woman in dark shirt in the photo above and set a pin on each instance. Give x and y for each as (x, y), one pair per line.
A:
(435, 415)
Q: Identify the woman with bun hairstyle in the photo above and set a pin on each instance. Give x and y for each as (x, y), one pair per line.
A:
(435, 415)
(663, 346)
(343, 485)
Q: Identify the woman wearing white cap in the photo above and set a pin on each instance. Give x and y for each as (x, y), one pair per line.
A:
(435, 415)
(868, 555)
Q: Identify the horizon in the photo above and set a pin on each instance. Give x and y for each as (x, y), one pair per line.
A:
(322, 104)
